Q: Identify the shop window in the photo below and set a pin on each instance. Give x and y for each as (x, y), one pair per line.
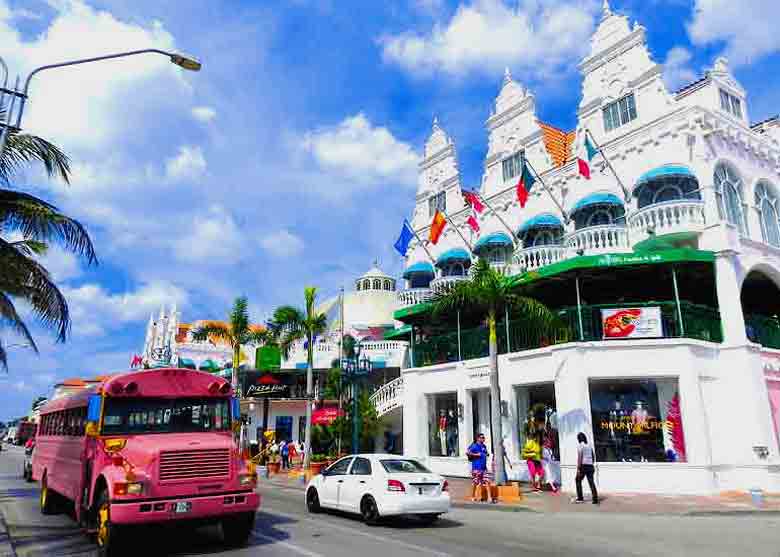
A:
(283, 428)
(512, 166)
(443, 424)
(637, 420)
(619, 113)
(538, 419)
(728, 188)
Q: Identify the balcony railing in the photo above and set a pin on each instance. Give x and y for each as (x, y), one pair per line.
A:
(540, 256)
(442, 284)
(389, 396)
(763, 330)
(598, 239)
(412, 296)
(667, 218)
(699, 322)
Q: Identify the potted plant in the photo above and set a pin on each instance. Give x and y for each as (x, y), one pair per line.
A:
(274, 463)
(318, 462)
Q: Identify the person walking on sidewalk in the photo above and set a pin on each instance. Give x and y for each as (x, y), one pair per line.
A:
(292, 453)
(284, 449)
(585, 469)
(477, 454)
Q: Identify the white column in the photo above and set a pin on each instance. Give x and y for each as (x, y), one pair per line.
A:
(728, 288)
(572, 401)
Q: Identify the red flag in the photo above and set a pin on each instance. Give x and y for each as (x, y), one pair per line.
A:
(524, 185)
(584, 168)
(437, 227)
(473, 223)
(473, 200)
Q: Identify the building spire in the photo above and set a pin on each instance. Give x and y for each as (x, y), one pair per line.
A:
(606, 11)
(507, 75)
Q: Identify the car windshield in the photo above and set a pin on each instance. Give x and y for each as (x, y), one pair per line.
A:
(157, 415)
(403, 466)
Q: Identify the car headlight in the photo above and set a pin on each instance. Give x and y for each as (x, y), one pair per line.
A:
(247, 479)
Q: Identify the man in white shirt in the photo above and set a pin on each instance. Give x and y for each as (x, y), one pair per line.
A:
(585, 468)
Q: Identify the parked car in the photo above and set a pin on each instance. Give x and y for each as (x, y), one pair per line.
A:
(377, 486)
(29, 447)
(11, 436)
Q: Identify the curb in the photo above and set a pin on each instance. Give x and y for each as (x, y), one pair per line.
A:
(494, 507)
(746, 512)
(6, 547)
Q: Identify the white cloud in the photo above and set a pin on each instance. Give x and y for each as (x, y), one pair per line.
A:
(204, 114)
(213, 237)
(677, 69)
(487, 35)
(94, 310)
(62, 265)
(362, 154)
(282, 243)
(748, 29)
(188, 164)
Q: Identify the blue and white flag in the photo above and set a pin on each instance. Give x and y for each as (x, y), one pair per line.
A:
(402, 243)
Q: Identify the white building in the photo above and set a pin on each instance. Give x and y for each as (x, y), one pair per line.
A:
(690, 240)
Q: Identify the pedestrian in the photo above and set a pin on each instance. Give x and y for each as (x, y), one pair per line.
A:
(292, 452)
(477, 454)
(547, 465)
(532, 453)
(284, 450)
(585, 468)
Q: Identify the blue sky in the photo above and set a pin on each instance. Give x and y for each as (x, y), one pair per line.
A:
(290, 160)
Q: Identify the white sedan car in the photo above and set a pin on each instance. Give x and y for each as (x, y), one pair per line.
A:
(379, 485)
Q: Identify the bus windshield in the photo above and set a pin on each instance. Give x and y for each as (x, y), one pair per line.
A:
(158, 415)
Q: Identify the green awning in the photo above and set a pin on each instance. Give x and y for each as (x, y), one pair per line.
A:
(186, 363)
(401, 332)
(209, 365)
(681, 255)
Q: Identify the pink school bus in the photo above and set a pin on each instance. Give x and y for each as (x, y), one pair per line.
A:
(146, 446)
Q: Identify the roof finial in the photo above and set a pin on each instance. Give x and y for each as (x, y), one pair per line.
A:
(376, 262)
(606, 11)
(507, 75)
(435, 122)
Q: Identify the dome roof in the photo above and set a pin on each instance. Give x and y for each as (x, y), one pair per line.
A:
(375, 272)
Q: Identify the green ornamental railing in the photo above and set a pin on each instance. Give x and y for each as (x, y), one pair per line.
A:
(698, 322)
(763, 330)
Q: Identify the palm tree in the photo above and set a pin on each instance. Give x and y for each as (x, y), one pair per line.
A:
(290, 325)
(236, 333)
(39, 224)
(488, 292)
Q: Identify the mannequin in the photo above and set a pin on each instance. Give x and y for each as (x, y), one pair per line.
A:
(639, 418)
(442, 430)
(452, 433)
(617, 433)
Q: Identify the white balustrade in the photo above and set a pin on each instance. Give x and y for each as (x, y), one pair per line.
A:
(598, 239)
(442, 284)
(667, 218)
(389, 396)
(412, 296)
(540, 256)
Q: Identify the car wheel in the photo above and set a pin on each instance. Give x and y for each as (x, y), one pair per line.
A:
(369, 510)
(48, 503)
(236, 529)
(429, 519)
(313, 501)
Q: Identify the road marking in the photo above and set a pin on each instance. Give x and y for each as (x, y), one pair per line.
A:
(374, 537)
(287, 545)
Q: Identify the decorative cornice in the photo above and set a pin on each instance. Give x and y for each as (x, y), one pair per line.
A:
(439, 156)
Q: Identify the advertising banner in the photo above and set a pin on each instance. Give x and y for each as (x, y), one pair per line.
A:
(632, 323)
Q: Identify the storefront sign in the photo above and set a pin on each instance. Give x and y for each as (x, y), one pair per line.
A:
(632, 323)
(326, 416)
(257, 391)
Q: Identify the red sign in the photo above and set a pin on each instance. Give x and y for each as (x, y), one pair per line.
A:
(268, 379)
(326, 416)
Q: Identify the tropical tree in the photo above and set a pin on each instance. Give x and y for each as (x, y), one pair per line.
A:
(236, 332)
(28, 225)
(290, 325)
(488, 292)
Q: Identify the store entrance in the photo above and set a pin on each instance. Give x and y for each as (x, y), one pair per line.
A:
(480, 417)
(538, 419)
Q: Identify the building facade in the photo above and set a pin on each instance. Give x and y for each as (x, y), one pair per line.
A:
(664, 266)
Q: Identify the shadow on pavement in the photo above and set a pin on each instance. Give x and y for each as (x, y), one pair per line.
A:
(399, 522)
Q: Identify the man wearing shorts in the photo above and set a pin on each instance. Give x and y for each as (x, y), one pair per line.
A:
(477, 453)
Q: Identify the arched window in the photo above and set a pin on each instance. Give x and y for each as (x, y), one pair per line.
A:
(454, 270)
(366, 284)
(546, 238)
(389, 285)
(728, 188)
(600, 217)
(357, 286)
(768, 213)
(377, 284)
(496, 255)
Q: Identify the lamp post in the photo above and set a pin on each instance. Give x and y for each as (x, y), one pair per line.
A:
(356, 368)
(15, 120)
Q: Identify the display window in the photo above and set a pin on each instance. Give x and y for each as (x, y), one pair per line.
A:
(538, 423)
(637, 420)
(443, 424)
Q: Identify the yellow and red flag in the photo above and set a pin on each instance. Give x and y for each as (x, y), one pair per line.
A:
(437, 227)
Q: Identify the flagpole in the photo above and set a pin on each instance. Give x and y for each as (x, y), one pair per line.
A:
(462, 237)
(609, 164)
(422, 245)
(511, 234)
(547, 189)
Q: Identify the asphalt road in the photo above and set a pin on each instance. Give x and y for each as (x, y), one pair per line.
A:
(284, 528)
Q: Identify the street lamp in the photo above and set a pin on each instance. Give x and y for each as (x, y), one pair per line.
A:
(356, 368)
(187, 62)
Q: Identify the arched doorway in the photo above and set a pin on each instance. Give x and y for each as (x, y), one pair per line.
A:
(760, 298)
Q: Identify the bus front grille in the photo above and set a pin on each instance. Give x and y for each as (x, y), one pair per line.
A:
(194, 464)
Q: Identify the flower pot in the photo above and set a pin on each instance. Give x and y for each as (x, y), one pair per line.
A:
(273, 467)
(316, 467)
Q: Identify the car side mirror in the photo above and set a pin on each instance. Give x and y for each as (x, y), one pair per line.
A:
(324, 472)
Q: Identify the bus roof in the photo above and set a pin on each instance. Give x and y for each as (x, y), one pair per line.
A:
(160, 383)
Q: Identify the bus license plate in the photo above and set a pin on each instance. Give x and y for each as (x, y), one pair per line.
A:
(184, 507)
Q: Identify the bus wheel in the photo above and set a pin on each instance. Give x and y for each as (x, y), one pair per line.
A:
(236, 529)
(107, 533)
(48, 498)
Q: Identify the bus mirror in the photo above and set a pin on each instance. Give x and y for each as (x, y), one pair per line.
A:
(93, 408)
(235, 409)
(92, 429)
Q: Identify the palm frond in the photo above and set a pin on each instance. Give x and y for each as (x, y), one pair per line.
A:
(23, 149)
(41, 221)
(287, 340)
(286, 318)
(213, 330)
(239, 317)
(9, 317)
(310, 297)
(31, 247)
(23, 277)
(317, 324)
(256, 337)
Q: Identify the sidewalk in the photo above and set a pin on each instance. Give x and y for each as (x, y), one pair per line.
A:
(736, 503)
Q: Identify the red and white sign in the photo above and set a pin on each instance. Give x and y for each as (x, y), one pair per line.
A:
(326, 416)
(632, 323)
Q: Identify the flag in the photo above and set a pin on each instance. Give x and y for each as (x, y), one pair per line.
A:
(473, 223)
(473, 200)
(584, 163)
(402, 243)
(525, 184)
(437, 226)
